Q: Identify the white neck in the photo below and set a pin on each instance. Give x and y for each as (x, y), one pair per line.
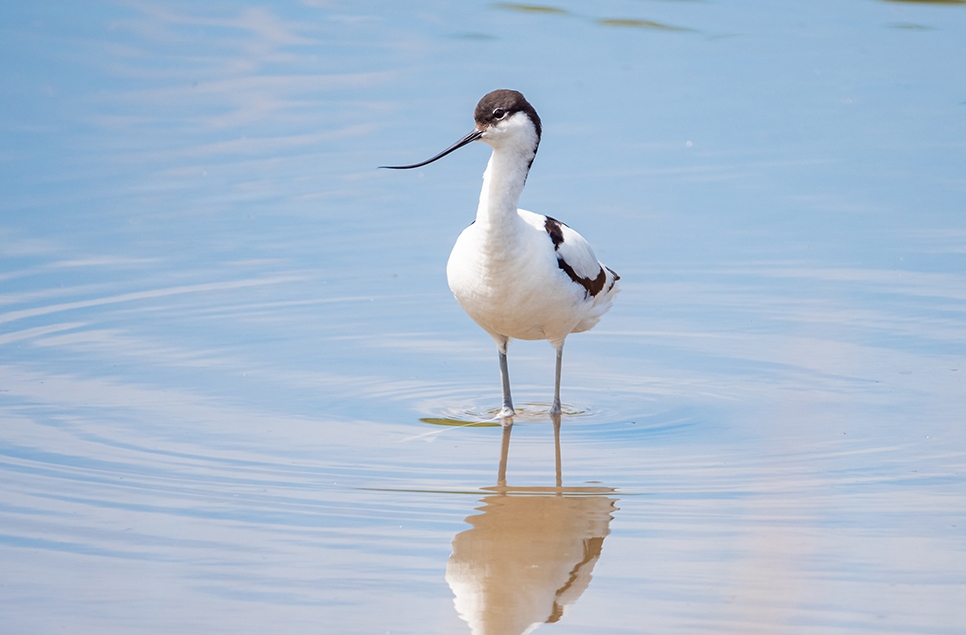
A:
(503, 181)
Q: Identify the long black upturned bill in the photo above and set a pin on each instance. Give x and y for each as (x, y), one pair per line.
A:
(471, 137)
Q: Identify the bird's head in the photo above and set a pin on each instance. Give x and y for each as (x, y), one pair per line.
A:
(504, 120)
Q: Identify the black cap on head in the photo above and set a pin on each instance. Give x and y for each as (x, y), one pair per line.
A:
(502, 103)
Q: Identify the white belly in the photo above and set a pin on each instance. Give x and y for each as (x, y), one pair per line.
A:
(517, 290)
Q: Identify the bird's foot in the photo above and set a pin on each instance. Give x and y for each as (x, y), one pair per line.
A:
(506, 412)
(555, 408)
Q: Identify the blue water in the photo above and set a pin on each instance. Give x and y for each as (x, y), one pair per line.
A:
(227, 341)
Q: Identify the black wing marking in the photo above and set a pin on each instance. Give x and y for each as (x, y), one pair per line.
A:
(592, 286)
(553, 227)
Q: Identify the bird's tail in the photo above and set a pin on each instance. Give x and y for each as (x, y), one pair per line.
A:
(602, 301)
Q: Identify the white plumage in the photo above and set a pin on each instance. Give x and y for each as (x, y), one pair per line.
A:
(521, 275)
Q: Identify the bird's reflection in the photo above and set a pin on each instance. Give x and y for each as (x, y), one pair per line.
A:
(530, 553)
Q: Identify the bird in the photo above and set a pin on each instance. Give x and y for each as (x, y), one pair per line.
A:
(518, 274)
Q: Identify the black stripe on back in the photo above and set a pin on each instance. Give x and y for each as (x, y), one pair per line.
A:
(592, 287)
(553, 227)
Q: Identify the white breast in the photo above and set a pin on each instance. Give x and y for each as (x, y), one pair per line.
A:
(509, 281)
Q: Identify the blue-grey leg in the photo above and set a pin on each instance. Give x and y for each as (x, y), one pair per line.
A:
(555, 408)
(507, 410)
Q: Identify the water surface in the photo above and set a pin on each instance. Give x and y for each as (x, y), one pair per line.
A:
(227, 346)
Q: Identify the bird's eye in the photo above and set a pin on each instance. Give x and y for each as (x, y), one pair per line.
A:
(499, 113)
